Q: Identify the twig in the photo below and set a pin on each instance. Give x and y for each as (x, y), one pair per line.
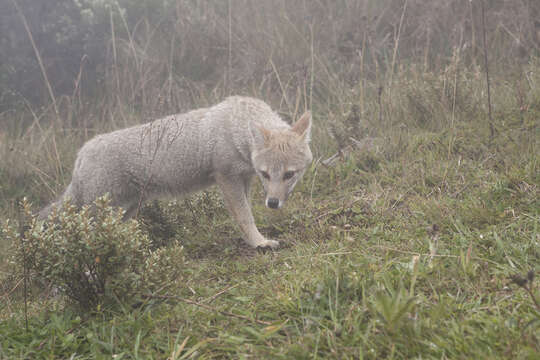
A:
(25, 265)
(337, 253)
(484, 43)
(461, 190)
(113, 39)
(529, 290)
(313, 180)
(382, 247)
(13, 289)
(379, 95)
(213, 297)
(340, 153)
(396, 42)
(332, 211)
(457, 53)
(527, 283)
(204, 306)
(45, 77)
(229, 45)
(366, 143)
(312, 74)
(38, 56)
(283, 88)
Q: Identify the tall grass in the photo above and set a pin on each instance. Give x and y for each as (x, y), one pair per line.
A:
(386, 59)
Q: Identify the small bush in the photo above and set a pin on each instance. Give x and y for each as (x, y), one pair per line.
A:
(163, 269)
(92, 255)
(159, 226)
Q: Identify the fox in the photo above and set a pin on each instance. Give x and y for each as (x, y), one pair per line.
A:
(226, 144)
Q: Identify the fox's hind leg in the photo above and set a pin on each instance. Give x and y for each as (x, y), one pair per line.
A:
(234, 189)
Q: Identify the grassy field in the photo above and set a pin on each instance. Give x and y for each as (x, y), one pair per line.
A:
(419, 240)
(409, 248)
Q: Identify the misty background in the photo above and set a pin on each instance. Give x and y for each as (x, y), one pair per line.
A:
(166, 54)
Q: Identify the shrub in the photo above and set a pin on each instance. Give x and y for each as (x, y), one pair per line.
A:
(92, 256)
(157, 224)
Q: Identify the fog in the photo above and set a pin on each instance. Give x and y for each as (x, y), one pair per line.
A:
(136, 49)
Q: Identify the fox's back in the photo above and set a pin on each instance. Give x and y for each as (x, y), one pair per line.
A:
(228, 120)
(182, 151)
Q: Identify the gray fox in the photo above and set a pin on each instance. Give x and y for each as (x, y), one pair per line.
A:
(225, 144)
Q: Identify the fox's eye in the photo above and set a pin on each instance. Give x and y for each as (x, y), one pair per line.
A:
(265, 175)
(288, 175)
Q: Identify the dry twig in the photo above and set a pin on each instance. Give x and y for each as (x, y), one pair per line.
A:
(207, 307)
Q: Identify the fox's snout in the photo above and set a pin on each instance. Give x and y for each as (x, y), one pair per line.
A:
(273, 203)
(277, 193)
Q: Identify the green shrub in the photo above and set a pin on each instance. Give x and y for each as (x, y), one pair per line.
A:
(157, 224)
(92, 256)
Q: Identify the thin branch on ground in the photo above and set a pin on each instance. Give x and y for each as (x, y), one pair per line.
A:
(204, 306)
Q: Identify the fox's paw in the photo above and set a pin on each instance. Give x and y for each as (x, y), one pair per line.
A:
(268, 244)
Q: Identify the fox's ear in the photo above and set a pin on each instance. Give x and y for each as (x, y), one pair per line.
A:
(259, 135)
(303, 126)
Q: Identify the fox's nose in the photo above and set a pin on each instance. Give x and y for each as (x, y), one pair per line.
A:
(272, 203)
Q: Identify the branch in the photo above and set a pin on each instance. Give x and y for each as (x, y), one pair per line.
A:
(204, 306)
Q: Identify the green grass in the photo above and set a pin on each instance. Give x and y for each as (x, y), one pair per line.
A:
(419, 248)
(407, 250)
(404, 253)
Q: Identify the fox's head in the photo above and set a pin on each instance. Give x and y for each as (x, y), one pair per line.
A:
(280, 158)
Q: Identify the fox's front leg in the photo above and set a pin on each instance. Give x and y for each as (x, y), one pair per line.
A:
(235, 191)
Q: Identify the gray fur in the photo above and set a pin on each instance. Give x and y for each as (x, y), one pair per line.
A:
(225, 145)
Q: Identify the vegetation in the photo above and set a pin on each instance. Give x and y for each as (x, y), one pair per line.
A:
(92, 256)
(418, 239)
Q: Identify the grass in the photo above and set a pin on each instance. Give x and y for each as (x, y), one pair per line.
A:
(404, 252)
(425, 245)
(416, 247)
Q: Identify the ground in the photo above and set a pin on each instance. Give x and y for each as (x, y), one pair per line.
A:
(407, 250)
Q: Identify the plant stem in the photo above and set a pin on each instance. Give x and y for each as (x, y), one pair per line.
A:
(486, 66)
